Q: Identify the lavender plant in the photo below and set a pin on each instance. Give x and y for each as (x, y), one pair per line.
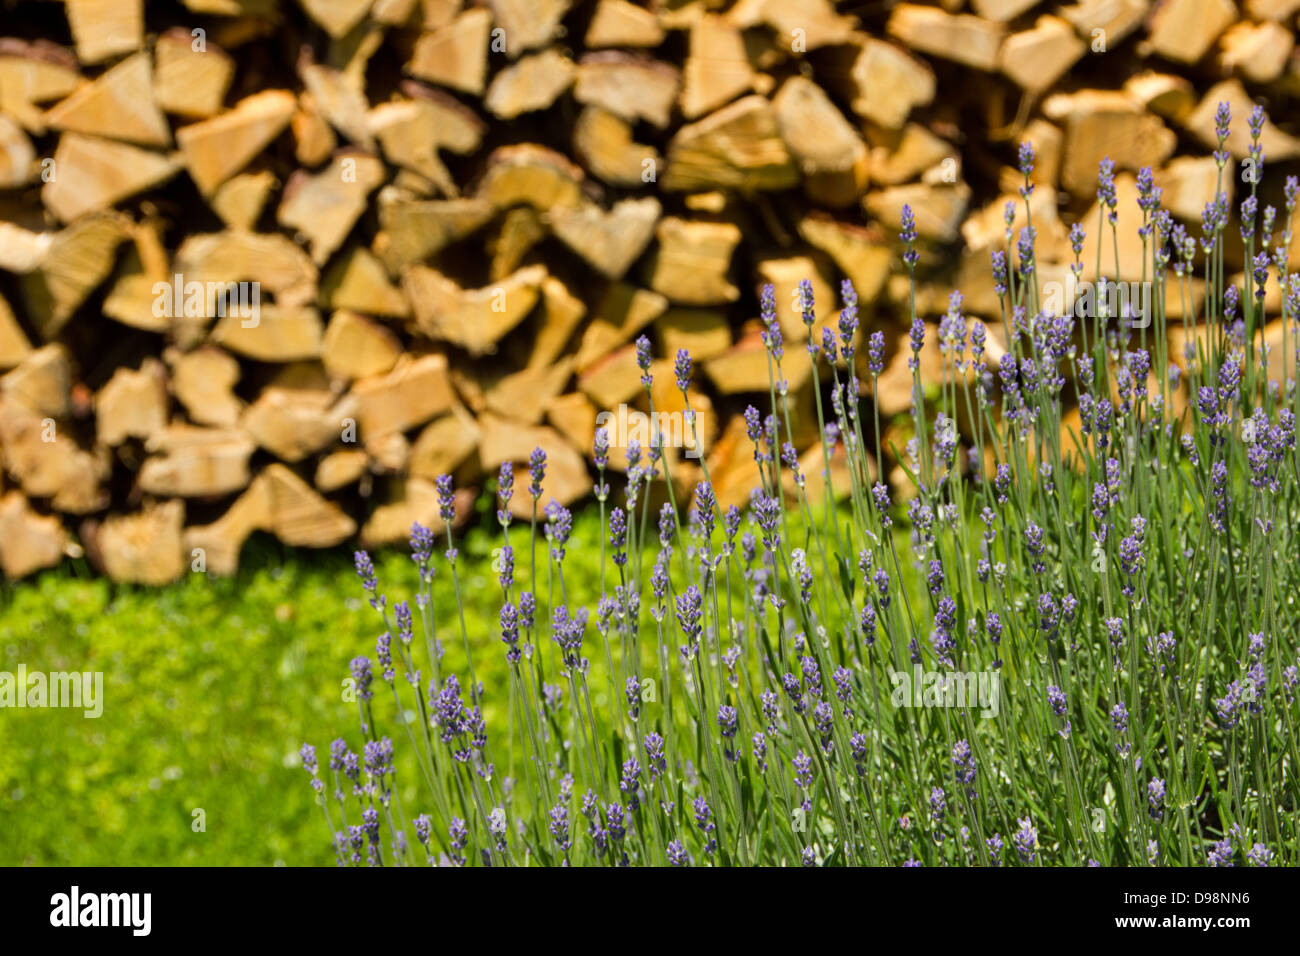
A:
(1123, 587)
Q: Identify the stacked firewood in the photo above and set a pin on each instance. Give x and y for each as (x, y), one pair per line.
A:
(275, 265)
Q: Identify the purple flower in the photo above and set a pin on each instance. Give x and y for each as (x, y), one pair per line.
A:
(963, 761)
(908, 236)
(643, 360)
(1025, 840)
(505, 491)
(682, 369)
(536, 471)
(363, 677)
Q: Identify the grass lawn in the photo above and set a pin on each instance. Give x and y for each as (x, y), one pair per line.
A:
(210, 688)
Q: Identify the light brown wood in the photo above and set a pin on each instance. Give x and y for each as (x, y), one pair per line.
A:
(692, 260)
(357, 347)
(91, 174)
(29, 541)
(1184, 30)
(611, 240)
(145, 547)
(961, 38)
(216, 149)
(618, 23)
(133, 404)
(190, 78)
(103, 29)
(474, 319)
(187, 461)
(414, 391)
(738, 147)
(326, 206)
(831, 155)
(627, 85)
(532, 84)
(717, 67)
(203, 381)
(604, 144)
(455, 55)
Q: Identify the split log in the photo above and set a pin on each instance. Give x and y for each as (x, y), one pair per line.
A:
(339, 469)
(340, 99)
(191, 77)
(357, 347)
(717, 67)
(959, 37)
(133, 404)
(14, 345)
(884, 83)
(692, 262)
(29, 541)
(414, 230)
(68, 267)
(474, 319)
(618, 23)
(530, 85)
(633, 87)
(1276, 144)
(32, 74)
(1102, 124)
(278, 334)
(325, 207)
(118, 104)
(455, 55)
(604, 144)
(415, 391)
(444, 445)
(531, 175)
(609, 240)
(747, 367)
(938, 208)
(293, 423)
(204, 381)
(521, 230)
(1184, 30)
(704, 333)
(313, 137)
(622, 312)
(528, 24)
(359, 283)
(831, 155)
(91, 174)
(738, 147)
(1168, 96)
(240, 199)
(216, 149)
(190, 462)
(1116, 19)
(1036, 59)
(567, 478)
(909, 154)
(561, 312)
(103, 29)
(858, 252)
(143, 548)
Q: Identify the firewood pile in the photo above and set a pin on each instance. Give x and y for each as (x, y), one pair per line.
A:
(274, 266)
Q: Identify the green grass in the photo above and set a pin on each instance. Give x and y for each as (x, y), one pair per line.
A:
(210, 687)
